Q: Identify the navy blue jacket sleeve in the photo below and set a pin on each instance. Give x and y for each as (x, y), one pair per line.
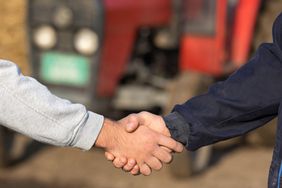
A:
(248, 99)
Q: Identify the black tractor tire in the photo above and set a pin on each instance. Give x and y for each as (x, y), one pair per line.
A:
(3, 146)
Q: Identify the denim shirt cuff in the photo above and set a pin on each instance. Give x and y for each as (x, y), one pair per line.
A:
(178, 127)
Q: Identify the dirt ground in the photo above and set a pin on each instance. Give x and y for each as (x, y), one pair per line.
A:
(245, 167)
(47, 167)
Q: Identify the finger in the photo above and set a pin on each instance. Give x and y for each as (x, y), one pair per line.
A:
(130, 165)
(154, 163)
(170, 143)
(119, 162)
(135, 171)
(145, 170)
(166, 149)
(163, 155)
(109, 156)
(132, 123)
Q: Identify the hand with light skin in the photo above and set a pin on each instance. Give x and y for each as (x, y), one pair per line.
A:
(133, 122)
(143, 146)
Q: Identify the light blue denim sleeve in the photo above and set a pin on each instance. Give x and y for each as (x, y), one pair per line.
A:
(28, 107)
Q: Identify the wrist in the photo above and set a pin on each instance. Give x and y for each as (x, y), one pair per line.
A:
(166, 130)
(106, 135)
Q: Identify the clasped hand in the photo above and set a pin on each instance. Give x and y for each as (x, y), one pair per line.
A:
(139, 143)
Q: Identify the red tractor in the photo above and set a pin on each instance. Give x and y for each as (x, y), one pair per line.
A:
(124, 55)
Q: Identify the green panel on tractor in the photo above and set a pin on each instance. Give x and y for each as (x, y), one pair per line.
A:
(65, 69)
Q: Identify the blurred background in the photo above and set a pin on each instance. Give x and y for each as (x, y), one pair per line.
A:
(124, 56)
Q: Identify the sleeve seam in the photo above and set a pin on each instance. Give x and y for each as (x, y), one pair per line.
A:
(74, 133)
(21, 101)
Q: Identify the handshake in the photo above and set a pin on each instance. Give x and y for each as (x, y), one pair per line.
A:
(138, 143)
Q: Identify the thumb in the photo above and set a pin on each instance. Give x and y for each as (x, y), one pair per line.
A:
(132, 124)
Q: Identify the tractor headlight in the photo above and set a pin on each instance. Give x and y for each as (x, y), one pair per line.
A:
(86, 41)
(45, 37)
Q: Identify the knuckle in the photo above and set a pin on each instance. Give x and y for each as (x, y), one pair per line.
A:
(116, 165)
(143, 113)
(119, 163)
(132, 116)
(131, 163)
(122, 160)
(158, 118)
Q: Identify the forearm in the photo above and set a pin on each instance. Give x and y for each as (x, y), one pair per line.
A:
(246, 100)
(28, 107)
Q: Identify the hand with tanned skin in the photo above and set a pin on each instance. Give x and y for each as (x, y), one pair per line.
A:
(146, 147)
(134, 122)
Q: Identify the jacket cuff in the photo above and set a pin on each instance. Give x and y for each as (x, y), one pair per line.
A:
(89, 132)
(178, 127)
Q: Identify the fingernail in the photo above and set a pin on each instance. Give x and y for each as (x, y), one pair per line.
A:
(129, 124)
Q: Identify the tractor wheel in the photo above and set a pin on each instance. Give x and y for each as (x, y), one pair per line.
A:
(12, 146)
(187, 85)
(3, 144)
(270, 10)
